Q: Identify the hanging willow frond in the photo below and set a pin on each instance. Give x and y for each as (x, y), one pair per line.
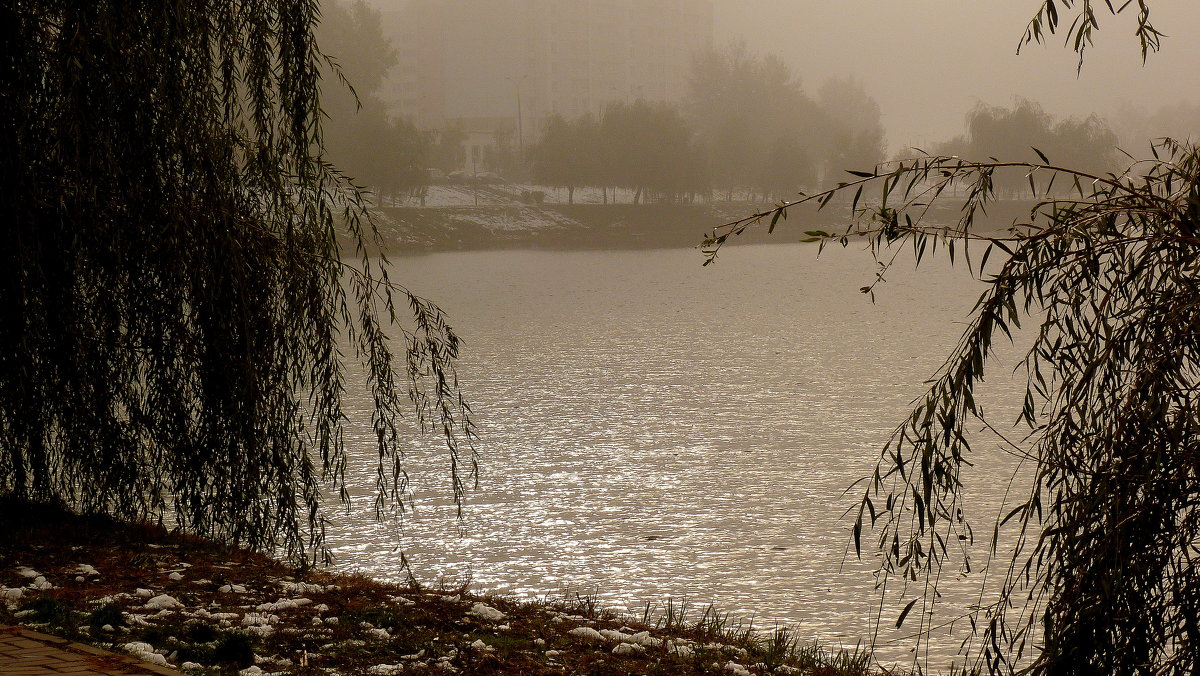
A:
(172, 290)
(1106, 273)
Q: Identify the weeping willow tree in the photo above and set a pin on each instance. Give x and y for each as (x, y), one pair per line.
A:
(173, 292)
(1104, 275)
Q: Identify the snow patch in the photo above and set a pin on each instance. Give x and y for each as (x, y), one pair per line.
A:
(587, 632)
(144, 652)
(282, 604)
(628, 649)
(162, 601)
(486, 612)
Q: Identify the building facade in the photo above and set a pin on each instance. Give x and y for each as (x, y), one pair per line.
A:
(526, 60)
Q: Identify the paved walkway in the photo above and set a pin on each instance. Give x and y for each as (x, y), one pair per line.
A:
(24, 652)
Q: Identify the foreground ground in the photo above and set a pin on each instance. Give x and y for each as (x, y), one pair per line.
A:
(207, 609)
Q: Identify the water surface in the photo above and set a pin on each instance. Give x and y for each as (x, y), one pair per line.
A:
(656, 429)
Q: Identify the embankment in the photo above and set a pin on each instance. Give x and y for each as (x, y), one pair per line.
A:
(621, 226)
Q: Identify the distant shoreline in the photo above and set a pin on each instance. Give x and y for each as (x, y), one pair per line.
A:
(412, 230)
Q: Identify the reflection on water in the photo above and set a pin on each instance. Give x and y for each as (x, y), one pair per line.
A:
(656, 429)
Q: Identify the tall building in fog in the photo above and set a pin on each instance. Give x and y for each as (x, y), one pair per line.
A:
(529, 59)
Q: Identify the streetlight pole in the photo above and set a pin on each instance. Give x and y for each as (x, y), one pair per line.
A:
(520, 122)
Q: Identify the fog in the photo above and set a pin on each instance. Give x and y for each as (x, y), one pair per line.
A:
(927, 62)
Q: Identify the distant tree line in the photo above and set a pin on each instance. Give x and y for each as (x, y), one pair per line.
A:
(1021, 131)
(783, 142)
(647, 148)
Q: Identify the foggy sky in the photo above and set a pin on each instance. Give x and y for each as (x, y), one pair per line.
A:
(927, 62)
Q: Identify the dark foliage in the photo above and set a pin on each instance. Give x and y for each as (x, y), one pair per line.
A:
(172, 294)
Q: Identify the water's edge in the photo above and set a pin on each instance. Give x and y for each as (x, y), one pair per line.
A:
(622, 226)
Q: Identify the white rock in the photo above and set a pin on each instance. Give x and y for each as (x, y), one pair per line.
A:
(553, 653)
(80, 578)
(85, 569)
(486, 612)
(143, 593)
(737, 669)
(251, 671)
(386, 669)
(25, 571)
(175, 577)
(481, 646)
(587, 632)
(539, 642)
(162, 601)
(379, 634)
(191, 665)
(40, 582)
(11, 594)
(232, 588)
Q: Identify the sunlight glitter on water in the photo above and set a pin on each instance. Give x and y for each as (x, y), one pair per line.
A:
(653, 429)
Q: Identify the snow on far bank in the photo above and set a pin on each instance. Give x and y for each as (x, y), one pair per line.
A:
(506, 194)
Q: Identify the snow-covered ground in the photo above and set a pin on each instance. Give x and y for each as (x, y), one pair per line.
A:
(505, 194)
